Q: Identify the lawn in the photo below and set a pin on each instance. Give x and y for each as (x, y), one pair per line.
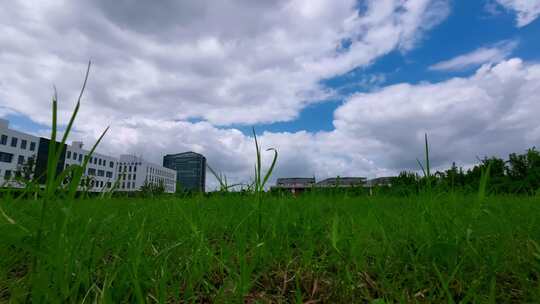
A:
(315, 248)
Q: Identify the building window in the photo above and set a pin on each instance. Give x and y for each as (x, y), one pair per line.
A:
(32, 146)
(74, 155)
(100, 173)
(68, 154)
(129, 168)
(108, 174)
(14, 141)
(7, 174)
(123, 185)
(20, 161)
(128, 185)
(133, 185)
(134, 176)
(80, 157)
(108, 184)
(6, 157)
(111, 164)
(3, 140)
(129, 176)
(135, 169)
(23, 144)
(91, 171)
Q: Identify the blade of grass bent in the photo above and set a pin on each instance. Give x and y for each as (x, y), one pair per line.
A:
(269, 172)
(77, 177)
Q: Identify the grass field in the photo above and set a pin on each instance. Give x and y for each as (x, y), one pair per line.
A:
(315, 248)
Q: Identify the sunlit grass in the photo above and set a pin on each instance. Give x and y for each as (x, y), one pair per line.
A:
(326, 248)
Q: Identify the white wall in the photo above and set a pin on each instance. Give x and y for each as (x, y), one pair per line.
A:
(99, 168)
(19, 151)
(104, 170)
(131, 167)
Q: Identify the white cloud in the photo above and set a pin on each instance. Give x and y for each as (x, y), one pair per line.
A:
(491, 54)
(492, 112)
(225, 62)
(527, 10)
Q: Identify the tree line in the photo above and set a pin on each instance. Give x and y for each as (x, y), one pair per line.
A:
(519, 174)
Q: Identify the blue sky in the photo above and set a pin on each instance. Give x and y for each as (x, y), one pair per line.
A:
(468, 27)
(339, 87)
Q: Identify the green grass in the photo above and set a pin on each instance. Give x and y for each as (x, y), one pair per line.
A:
(313, 248)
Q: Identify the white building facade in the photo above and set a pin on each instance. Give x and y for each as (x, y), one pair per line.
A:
(100, 174)
(103, 173)
(134, 172)
(16, 149)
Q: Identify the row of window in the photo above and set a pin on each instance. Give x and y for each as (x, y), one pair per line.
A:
(159, 172)
(130, 163)
(156, 179)
(128, 185)
(99, 184)
(7, 174)
(128, 176)
(15, 141)
(99, 172)
(92, 160)
(127, 168)
(8, 158)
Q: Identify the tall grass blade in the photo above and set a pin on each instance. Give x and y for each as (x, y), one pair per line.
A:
(78, 174)
(427, 156)
(271, 169)
(484, 179)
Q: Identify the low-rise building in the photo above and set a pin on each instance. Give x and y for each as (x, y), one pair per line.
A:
(17, 149)
(101, 169)
(134, 172)
(380, 181)
(21, 152)
(294, 184)
(342, 182)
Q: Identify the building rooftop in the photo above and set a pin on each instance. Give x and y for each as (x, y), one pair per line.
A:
(342, 181)
(295, 180)
(185, 154)
(384, 180)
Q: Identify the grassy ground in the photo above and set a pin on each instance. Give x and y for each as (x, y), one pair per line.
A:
(320, 249)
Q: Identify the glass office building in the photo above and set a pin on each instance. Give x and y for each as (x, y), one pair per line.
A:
(190, 170)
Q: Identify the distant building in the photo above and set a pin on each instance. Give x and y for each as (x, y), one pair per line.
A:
(380, 181)
(294, 184)
(342, 182)
(16, 148)
(190, 169)
(134, 172)
(102, 171)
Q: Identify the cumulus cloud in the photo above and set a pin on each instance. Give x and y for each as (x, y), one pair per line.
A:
(491, 54)
(227, 62)
(493, 112)
(527, 10)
